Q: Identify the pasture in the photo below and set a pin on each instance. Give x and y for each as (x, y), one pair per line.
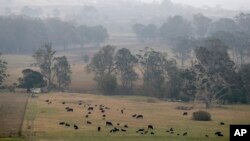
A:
(50, 110)
(12, 110)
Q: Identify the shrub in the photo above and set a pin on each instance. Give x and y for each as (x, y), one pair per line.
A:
(201, 116)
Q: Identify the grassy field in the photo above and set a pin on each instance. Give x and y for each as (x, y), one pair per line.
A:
(162, 115)
(12, 109)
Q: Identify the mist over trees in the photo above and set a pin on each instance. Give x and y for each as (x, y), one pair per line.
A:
(21, 34)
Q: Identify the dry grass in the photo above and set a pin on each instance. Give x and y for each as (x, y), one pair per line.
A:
(12, 109)
(162, 115)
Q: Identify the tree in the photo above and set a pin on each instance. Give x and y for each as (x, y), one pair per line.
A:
(182, 47)
(31, 79)
(44, 58)
(103, 66)
(243, 21)
(154, 69)
(174, 28)
(62, 72)
(244, 74)
(223, 24)
(201, 24)
(3, 68)
(125, 63)
(145, 32)
(214, 71)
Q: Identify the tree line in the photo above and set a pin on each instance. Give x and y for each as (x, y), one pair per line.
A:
(180, 34)
(20, 34)
(211, 78)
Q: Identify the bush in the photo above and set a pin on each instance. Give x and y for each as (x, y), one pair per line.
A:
(201, 116)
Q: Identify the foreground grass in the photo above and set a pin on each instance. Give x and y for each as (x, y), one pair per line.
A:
(162, 115)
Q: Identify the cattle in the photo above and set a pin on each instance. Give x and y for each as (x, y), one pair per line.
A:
(104, 116)
(88, 122)
(66, 124)
(207, 136)
(139, 117)
(87, 116)
(62, 123)
(63, 102)
(109, 123)
(79, 103)
(171, 129)
(178, 134)
(70, 110)
(150, 127)
(185, 114)
(134, 115)
(145, 132)
(152, 133)
(103, 111)
(172, 132)
(140, 130)
(122, 111)
(98, 128)
(76, 127)
(47, 100)
(123, 130)
(91, 108)
(89, 113)
(218, 134)
(167, 131)
(107, 108)
(125, 126)
(114, 130)
(184, 134)
(118, 124)
(222, 123)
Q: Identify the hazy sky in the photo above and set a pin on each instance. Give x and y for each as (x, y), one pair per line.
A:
(227, 4)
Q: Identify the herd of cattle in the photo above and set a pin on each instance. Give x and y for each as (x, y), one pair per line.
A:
(118, 127)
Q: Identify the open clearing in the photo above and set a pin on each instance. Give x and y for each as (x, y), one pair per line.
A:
(161, 114)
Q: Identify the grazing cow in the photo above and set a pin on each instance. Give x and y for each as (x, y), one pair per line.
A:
(98, 128)
(95, 105)
(103, 111)
(89, 113)
(219, 134)
(107, 108)
(66, 124)
(122, 111)
(114, 130)
(109, 123)
(178, 134)
(150, 127)
(222, 123)
(125, 126)
(185, 134)
(88, 122)
(207, 136)
(87, 116)
(171, 129)
(47, 100)
(167, 131)
(185, 114)
(123, 130)
(172, 132)
(91, 108)
(152, 133)
(70, 110)
(145, 132)
(62, 123)
(139, 117)
(104, 116)
(134, 115)
(63, 102)
(76, 127)
(118, 124)
(140, 130)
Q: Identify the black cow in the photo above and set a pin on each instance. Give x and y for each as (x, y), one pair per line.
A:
(98, 128)
(62, 123)
(185, 134)
(125, 126)
(185, 114)
(140, 130)
(70, 110)
(76, 127)
(152, 133)
(122, 111)
(109, 123)
(222, 123)
(150, 127)
(88, 122)
(139, 117)
(134, 115)
(66, 124)
(123, 130)
(91, 108)
(87, 116)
